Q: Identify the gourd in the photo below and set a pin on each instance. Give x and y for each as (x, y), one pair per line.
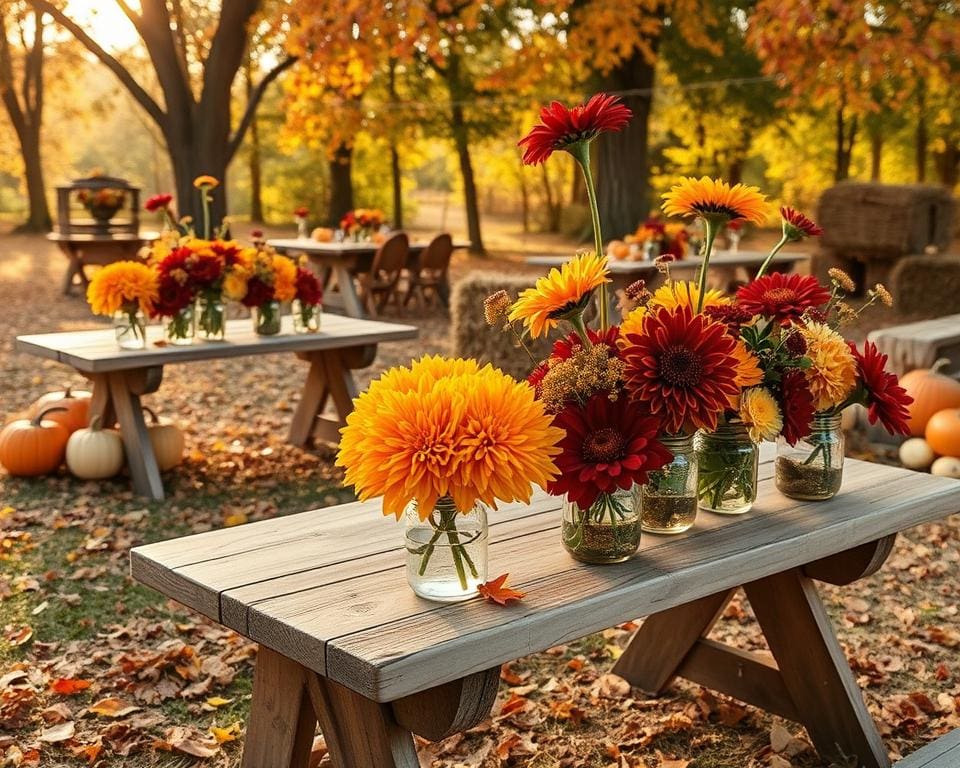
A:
(322, 234)
(943, 432)
(916, 453)
(32, 447)
(94, 453)
(74, 402)
(946, 466)
(618, 249)
(931, 391)
(167, 441)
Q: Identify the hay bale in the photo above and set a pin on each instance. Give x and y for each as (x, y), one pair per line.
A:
(868, 221)
(472, 337)
(926, 286)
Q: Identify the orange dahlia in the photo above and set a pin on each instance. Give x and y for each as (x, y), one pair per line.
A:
(832, 374)
(682, 367)
(123, 285)
(712, 198)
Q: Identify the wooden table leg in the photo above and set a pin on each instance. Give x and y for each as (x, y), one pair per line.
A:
(100, 404)
(329, 377)
(352, 305)
(125, 390)
(313, 399)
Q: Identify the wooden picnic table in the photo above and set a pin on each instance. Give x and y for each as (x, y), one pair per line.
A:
(121, 377)
(343, 260)
(344, 641)
(85, 248)
(920, 344)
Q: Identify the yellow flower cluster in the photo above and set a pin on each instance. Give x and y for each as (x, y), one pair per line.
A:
(833, 371)
(671, 295)
(760, 414)
(123, 285)
(447, 427)
(266, 265)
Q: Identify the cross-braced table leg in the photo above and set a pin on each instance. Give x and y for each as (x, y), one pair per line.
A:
(807, 679)
(290, 700)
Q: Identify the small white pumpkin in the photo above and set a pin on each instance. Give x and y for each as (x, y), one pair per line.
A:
(167, 441)
(916, 453)
(94, 453)
(946, 466)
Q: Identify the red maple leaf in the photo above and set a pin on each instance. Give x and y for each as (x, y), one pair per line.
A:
(496, 592)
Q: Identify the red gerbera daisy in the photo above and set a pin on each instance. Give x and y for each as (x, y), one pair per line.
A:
(157, 203)
(796, 402)
(886, 400)
(608, 445)
(783, 297)
(796, 226)
(560, 127)
(682, 368)
(565, 348)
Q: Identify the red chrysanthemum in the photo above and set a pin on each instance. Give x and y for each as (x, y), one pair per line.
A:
(309, 290)
(258, 293)
(796, 403)
(157, 203)
(228, 251)
(783, 297)
(561, 127)
(731, 315)
(173, 295)
(682, 368)
(565, 348)
(796, 226)
(608, 445)
(886, 400)
(175, 260)
(205, 269)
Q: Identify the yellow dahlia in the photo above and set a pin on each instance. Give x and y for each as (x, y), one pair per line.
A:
(123, 285)
(561, 294)
(675, 294)
(714, 198)
(760, 414)
(284, 278)
(833, 372)
(749, 373)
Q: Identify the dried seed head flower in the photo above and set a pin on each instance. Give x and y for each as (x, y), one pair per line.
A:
(845, 313)
(796, 345)
(588, 371)
(842, 279)
(662, 262)
(495, 308)
(814, 315)
(636, 289)
(883, 294)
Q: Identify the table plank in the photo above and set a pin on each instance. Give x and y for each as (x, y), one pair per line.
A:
(97, 351)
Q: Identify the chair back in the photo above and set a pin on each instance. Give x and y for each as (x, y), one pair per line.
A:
(392, 256)
(435, 258)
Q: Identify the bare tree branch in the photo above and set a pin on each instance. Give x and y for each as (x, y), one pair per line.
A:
(253, 102)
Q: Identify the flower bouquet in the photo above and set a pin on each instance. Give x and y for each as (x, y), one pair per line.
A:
(656, 236)
(300, 215)
(177, 295)
(441, 441)
(125, 291)
(261, 281)
(307, 302)
(362, 223)
(103, 203)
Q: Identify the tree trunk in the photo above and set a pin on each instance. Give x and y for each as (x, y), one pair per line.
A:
(623, 168)
(524, 201)
(948, 165)
(341, 184)
(397, 186)
(846, 135)
(38, 219)
(462, 142)
(922, 136)
(253, 159)
(876, 155)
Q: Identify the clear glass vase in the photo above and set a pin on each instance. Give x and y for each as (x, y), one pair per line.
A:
(212, 317)
(302, 232)
(446, 551)
(130, 327)
(669, 499)
(306, 317)
(266, 318)
(606, 532)
(728, 464)
(181, 329)
(812, 470)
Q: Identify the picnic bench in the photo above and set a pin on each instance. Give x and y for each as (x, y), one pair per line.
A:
(346, 643)
(121, 377)
(84, 249)
(920, 344)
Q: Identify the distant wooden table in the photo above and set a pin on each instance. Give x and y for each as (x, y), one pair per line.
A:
(344, 260)
(344, 640)
(920, 344)
(121, 377)
(89, 249)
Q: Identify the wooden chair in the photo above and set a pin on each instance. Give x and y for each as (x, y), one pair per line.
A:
(379, 285)
(431, 273)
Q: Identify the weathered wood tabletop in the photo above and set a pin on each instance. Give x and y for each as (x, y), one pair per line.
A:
(121, 377)
(919, 344)
(324, 593)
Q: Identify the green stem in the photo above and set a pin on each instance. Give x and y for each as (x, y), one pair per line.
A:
(581, 153)
(712, 229)
(455, 548)
(577, 322)
(205, 200)
(776, 249)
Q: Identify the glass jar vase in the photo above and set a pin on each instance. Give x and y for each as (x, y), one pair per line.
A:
(446, 550)
(130, 328)
(302, 232)
(608, 531)
(669, 499)
(306, 317)
(181, 329)
(812, 470)
(266, 318)
(212, 317)
(728, 463)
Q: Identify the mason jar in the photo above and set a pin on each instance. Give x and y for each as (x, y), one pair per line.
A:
(180, 329)
(306, 317)
(130, 329)
(266, 318)
(669, 499)
(608, 531)
(812, 470)
(728, 465)
(212, 317)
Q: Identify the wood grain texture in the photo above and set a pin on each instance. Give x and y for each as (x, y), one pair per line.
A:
(942, 753)
(849, 566)
(451, 708)
(918, 345)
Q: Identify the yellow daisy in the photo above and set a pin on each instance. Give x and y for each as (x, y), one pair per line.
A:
(749, 373)
(632, 323)
(206, 181)
(833, 373)
(761, 414)
(675, 294)
(712, 198)
(561, 294)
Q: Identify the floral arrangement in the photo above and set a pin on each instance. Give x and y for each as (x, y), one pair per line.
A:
(301, 212)
(362, 222)
(102, 203)
(126, 291)
(307, 300)
(261, 280)
(656, 237)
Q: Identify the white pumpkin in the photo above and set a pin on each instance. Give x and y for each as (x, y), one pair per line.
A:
(916, 453)
(94, 453)
(946, 466)
(167, 441)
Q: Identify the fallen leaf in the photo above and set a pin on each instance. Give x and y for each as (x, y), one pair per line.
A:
(111, 707)
(191, 743)
(495, 591)
(223, 735)
(89, 751)
(19, 635)
(58, 732)
(67, 686)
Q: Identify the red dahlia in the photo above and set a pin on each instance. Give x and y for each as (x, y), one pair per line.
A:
(157, 203)
(205, 269)
(568, 346)
(560, 127)
(796, 402)
(309, 290)
(258, 293)
(886, 400)
(682, 368)
(608, 445)
(783, 297)
(173, 296)
(796, 226)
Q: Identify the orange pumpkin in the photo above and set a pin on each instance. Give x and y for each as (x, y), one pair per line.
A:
(943, 432)
(31, 447)
(931, 391)
(618, 249)
(75, 405)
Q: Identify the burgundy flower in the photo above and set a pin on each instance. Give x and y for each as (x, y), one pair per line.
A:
(731, 315)
(560, 127)
(608, 445)
(796, 402)
(174, 295)
(157, 203)
(256, 234)
(886, 400)
(228, 251)
(302, 212)
(796, 226)
(309, 290)
(177, 259)
(205, 269)
(258, 293)
(783, 297)
(568, 346)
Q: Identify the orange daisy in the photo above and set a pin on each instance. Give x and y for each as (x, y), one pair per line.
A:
(713, 198)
